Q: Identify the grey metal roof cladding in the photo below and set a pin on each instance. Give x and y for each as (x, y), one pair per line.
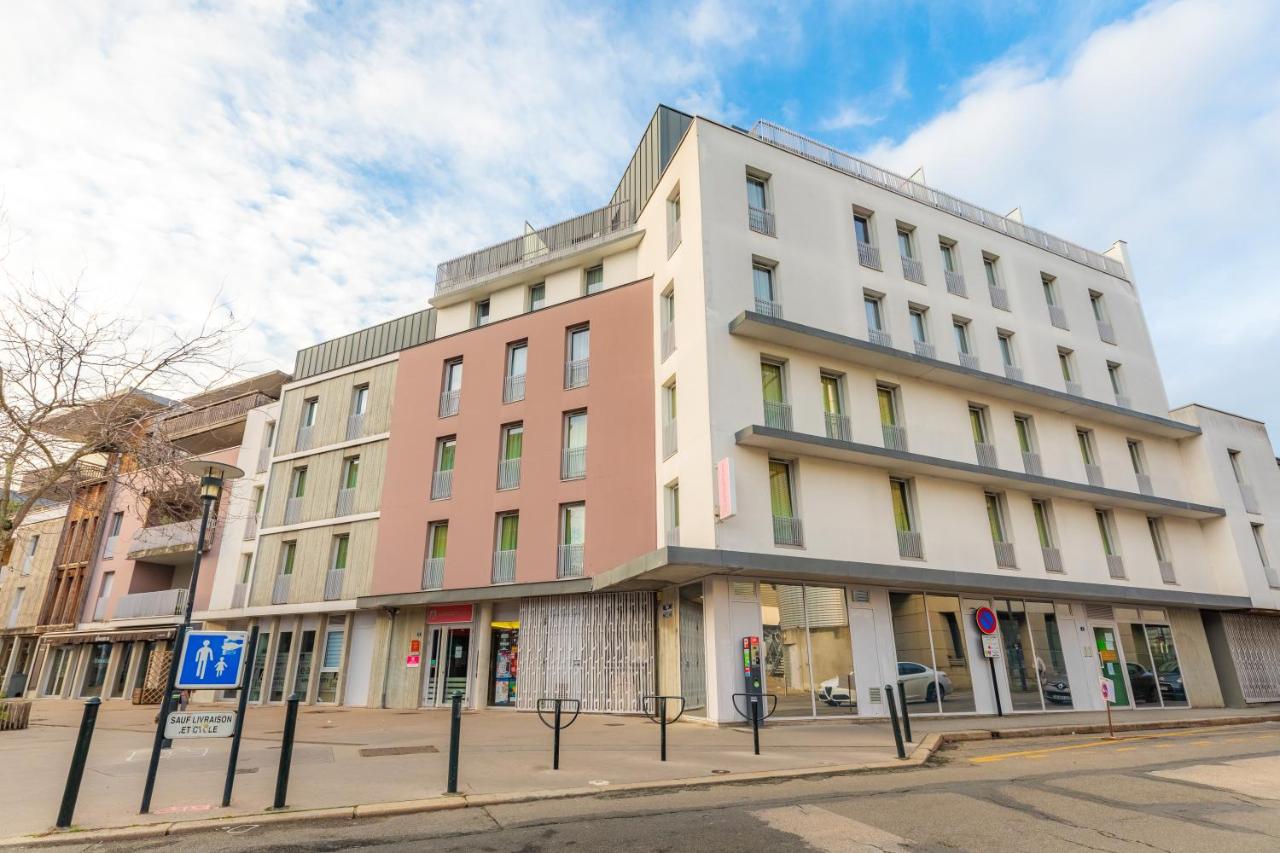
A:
(372, 342)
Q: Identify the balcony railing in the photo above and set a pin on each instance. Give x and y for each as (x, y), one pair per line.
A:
(1115, 565)
(569, 561)
(508, 474)
(670, 439)
(895, 437)
(926, 349)
(910, 544)
(761, 221)
(1073, 388)
(280, 589)
(250, 528)
(777, 415)
(1058, 317)
(955, 283)
(173, 538)
(239, 595)
(346, 504)
(196, 420)
(140, 605)
(1012, 371)
(1052, 560)
(999, 298)
(673, 237)
(1250, 499)
(668, 336)
(504, 566)
(293, 510)
(433, 573)
(1093, 474)
(837, 426)
(305, 436)
(1166, 572)
(513, 388)
(442, 485)
(1144, 483)
(573, 463)
(912, 270)
(868, 255)
(1123, 401)
(880, 337)
(1005, 557)
(450, 402)
(355, 426)
(576, 373)
(1106, 332)
(455, 275)
(1031, 464)
(787, 530)
(768, 308)
(333, 584)
(672, 537)
(971, 361)
(264, 458)
(986, 454)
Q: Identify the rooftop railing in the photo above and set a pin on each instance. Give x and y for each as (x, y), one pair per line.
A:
(826, 155)
(202, 418)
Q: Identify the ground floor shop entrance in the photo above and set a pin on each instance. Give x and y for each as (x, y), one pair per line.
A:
(448, 664)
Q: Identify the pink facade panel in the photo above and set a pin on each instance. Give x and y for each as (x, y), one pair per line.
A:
(619, 486)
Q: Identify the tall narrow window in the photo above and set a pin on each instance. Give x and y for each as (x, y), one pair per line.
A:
(759, 215)
(673, 514)
(989, 267)
(307, 423)
(482, 312)
(537, 296)
(673, 225)
(777, 412)
(964, 345)
(1088, 455)
(873, 304)
(1005, 557)
(1008, 356)
(1105, 330)
(573, 537)
(359, 399)
(104, 594)
(910, 543)
(1155, 527)
(507, 536)
(1138, 459)
(1259, 541)
(948, 251)
(517, 365)
(350, 472)
(309, 408)
(298, 485)
(892, 431)
(451, 393)
(573, 463)
(288, 554)
(906, 246)
(512, 450)
(1117, 384)
(920, 331)
(912, 269)
(593, 279)
(1066, 363)
(786, 523)
(837, 423)
(437, 547)
(1057, 316)
(578, 357)
(667, 325)
(670, 431)
(1044, 530)
(442, 477)
(1110, 546)
(341, 544)
(766, 294)
(1025, 428)
(868, 252)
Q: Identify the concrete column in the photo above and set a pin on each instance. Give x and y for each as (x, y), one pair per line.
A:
(380, 660)
(135, 662)
(113, 664)
(668, 652)
(483, 659)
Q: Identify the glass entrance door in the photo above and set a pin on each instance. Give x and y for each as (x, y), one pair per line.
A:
(1109, 660)
(448, 666)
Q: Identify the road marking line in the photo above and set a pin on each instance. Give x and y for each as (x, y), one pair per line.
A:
(830, 832)
(1027, 753)
(1126, 749)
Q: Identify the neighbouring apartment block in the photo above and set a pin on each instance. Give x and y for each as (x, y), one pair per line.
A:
(717, 414)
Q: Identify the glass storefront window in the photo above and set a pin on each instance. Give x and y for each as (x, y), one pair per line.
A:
(259, 666)
(1151, 662)
(953, 687)
(331, 662)
(306, 652)
(122, 672)
(1019, 656)
(831, 650)
(505, 642)
(95, 673)
(280, 666)
(1050, 662)
(1168, 671)
(786, 649)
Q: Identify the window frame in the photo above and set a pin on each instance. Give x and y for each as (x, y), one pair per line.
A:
(532, 302)
(587, 284)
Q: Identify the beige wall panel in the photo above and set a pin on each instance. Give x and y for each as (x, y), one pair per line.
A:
(335, 405)
(1199, 675)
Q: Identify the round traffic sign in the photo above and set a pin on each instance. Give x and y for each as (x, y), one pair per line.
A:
(985, 618)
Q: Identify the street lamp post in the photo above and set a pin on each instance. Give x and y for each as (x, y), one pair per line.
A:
(212, 476)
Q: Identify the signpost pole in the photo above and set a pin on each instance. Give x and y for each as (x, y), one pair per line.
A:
(286, 751)
(248, 653)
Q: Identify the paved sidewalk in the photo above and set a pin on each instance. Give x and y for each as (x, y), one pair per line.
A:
(350, 756)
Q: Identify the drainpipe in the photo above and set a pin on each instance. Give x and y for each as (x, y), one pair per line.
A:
(386, 669)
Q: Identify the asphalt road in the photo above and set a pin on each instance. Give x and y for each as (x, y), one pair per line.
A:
(1196, 790)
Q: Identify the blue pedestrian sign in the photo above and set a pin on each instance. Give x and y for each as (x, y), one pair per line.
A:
(212, 660)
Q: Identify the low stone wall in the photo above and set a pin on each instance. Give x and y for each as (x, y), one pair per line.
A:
(14, 714)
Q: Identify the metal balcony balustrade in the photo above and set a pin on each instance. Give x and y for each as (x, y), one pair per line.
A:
(569, 560)
(508, 474)
(141, 605)
(333, 584)
(787, 530)
(1005, 557)
(761, 221)
(1115, 566)
(1073, 388)
(534, 246)
(971, 361)
(1093, 474)
(1052, 560)
(1144, 483)
(673, 237)
(573, 463)
(1123, 401)
(880, 337)
(868, 255)
(355, 426)
(777, 415)
(837, 426)
(1106, 333)
(239, 595)
(926, 349)
(999, 298)
(280, 589)
(264, 458)
(668, 339)
(670, 439)
(910, 544)
(895, 436)
(513, 388)
(1012, 371)
(250, 528)
(442, 485)
(450, 403)
(1031, 464)
(577, 373)
(1058, 317)
(292, 511)
(433, 573)
(346, 503)
(913, 270)
(672, 537)
(305, 437)
(817, 152)
(986, 454)
(955, 284)
(768, 308)
(504, 567)
(186, 423)
(1166, 571)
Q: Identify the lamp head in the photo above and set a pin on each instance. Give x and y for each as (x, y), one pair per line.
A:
(212, 475)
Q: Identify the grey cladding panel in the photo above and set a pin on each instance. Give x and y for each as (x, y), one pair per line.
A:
(373, 342)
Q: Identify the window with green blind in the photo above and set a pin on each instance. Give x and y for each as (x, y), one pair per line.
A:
(439, 540)
(780, 489)
(888, 406)
(1104, 530)
(445, 455)
(350, 472)
(508, 531)
(1086, 446)
(771, 382)
(901, 505)
(340, 546)
(978, 424)
(1023, 425)
(995, 517)
(299, 482)
(287, 556)
(669, 401)
(512, 442)
(831, 395)
(1041, 512)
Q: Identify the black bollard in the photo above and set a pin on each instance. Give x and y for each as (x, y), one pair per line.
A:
(555, 740)
(893, 718)
(286, 750)
(662, 722)
(455, 734)
(755, 723)
(78, 758)
(249, 651)
(906, 718)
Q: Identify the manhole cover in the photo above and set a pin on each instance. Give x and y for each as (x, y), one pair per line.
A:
(720, 772)
(375, 751)
(615, 724)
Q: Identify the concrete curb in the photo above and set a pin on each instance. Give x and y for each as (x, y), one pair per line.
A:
(920, 755)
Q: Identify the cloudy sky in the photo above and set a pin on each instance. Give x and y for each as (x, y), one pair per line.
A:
(307, 164)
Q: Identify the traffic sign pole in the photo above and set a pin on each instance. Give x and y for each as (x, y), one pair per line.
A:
(987, 622)
(249, 650)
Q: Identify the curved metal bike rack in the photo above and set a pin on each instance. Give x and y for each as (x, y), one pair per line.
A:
(659, 716)
(557, 707)
(754, 717)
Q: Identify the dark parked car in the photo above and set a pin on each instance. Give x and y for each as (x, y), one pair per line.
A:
(1057, 691)
(1143, 683)
(1171, 687)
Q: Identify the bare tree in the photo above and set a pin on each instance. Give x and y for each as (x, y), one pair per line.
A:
(79, 387)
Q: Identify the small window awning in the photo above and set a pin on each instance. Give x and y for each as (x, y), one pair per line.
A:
(141, 634)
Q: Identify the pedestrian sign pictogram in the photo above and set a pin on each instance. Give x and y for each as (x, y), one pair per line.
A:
(212, 660)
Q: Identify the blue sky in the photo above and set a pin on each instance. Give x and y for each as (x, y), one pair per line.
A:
(306, 165)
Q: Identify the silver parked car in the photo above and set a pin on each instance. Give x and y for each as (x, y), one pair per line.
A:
(917, 680)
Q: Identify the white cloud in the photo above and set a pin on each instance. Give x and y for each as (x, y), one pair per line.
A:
(1163, 130)
(848, 117)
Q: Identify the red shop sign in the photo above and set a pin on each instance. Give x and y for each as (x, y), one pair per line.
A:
(449, 613)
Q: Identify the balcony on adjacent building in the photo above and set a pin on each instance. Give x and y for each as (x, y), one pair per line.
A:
(971, 361)
(777, 415)
(986, 454)
(504, 566)
(955, 283)
(768, 307)
(168, 544)
(999, 298)
(433, 573)
(569, 560)
(879, 337)
(450, 402)
(143, 605)
(787, 530)
(837, 426)
(1012, 371)
(926, 349)
(895, 437)
(513, 388)
(214, 426)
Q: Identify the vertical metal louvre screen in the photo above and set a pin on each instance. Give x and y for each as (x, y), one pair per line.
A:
(598, 649)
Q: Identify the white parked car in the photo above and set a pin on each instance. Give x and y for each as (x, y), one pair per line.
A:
(920, 682)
